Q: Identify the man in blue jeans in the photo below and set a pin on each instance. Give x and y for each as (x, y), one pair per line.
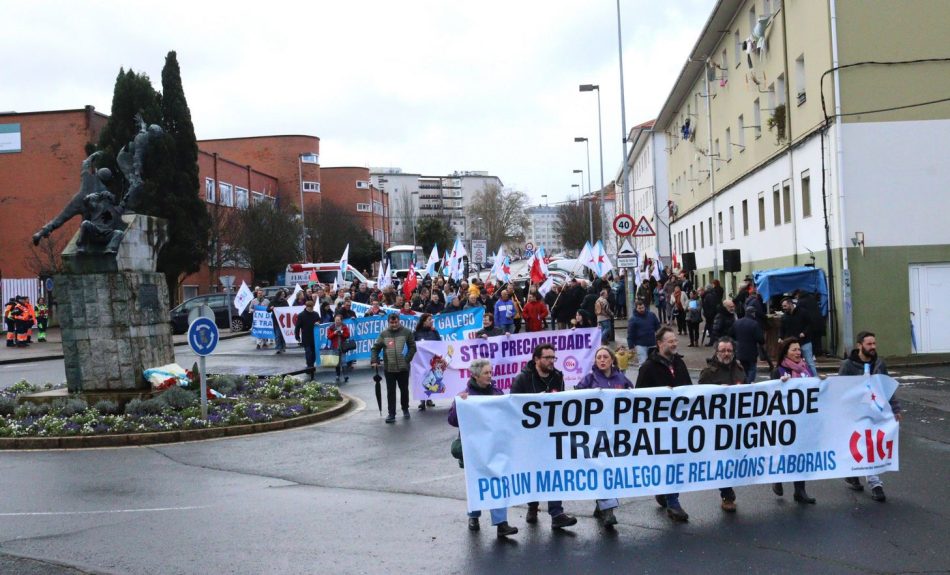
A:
(641, 331)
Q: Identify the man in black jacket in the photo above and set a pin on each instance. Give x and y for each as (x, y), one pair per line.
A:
(540, 376)
(303, 332)
(796, 323)
(665, 368)
(749, 336)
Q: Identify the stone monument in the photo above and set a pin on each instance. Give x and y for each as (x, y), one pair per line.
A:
(112, 304)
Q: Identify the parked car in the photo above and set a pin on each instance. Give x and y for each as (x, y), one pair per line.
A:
(219, 304)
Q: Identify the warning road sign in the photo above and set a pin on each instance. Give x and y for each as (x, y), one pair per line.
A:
(626, 255)
(644, 229)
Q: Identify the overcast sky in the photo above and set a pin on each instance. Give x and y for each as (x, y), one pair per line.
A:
(426, 86)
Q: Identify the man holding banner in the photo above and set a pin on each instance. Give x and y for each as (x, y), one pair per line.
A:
(666, 368)
(540, 376)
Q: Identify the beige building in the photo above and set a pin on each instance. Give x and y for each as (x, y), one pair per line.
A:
(787, 142)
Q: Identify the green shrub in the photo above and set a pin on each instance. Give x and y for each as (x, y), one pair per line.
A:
(227, 384)
(31, 409)
(21, 387)
(7, 406)
(69, 407)
(147, 407)
(177, 398)
(106, 407)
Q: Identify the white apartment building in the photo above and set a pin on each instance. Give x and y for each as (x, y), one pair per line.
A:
(646, 167)
(542, 229)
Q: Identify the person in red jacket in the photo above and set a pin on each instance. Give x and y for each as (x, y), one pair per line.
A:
(534, 313)
(337, 334)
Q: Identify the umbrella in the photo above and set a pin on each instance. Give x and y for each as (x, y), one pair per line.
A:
(379, 392)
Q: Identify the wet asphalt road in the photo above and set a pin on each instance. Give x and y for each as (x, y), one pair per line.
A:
(357, 496)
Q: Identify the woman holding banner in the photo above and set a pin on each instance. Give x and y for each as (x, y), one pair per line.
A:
(338, 333)
(792, 365)
(480, 383)
(605, 375)
(425, 330)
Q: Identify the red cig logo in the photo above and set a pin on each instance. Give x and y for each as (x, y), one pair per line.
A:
(873, 444)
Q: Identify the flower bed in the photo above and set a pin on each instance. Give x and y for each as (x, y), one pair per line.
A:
(247, 401)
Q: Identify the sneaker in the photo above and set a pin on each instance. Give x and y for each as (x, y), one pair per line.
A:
(728, 506)
(405, 414)
(609, 518)
(422, 406)
(430, 403)
(854, 483)
(532, 515)
(802, 497)
(677, 514)
(778, 489)
(391, 419)
(661, 501)
(504, 530)
(877, 494)
(563, 520)
(473, 524)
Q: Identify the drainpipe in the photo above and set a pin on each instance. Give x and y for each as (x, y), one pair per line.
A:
(712, 171)
(848, 331)
(788, 134)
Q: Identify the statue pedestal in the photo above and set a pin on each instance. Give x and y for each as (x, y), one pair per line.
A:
(115, 323)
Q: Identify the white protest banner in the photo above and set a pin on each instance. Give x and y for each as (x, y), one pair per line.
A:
(603, 443)
(243, 298)
(287, 320)
(440, 368)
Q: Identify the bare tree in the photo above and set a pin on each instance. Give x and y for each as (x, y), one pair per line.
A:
(574, 222)
(44, 258)
(407, 216)
(500, 212)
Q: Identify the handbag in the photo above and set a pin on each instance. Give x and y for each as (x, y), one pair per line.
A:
(457, 450)
(348, 345)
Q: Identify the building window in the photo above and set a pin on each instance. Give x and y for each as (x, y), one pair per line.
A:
(710, 232)
(776, 206)
(227, 194)
(737, 48)
(761, 211)
(757, 118)
(362, 185)
(310, 158)
(741, 133)
(806, 194)
(752, 18)
(377, 208)
(787, 200)
(716, 156)
(732, 222)
(745, 217)
(362, 207)
(694, 238)
(719, 226)
(728, 144)
(702, 236)
(800, 78)
(189, 291)
(209, 190)
(725, 69)
(780, 86)
(311, 187)
(240, 197)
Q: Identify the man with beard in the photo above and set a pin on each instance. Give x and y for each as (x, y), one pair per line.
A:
(864, 357)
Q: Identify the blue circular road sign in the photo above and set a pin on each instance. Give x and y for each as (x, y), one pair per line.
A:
(203, 336)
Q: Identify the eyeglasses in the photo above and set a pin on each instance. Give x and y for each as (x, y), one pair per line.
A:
(548, 357)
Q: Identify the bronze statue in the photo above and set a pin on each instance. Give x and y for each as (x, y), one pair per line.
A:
(131, 159)
(95, 203)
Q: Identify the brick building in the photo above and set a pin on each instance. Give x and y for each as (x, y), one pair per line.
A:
(349, 188)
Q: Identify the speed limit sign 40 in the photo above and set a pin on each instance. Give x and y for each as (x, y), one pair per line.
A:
(624, 224)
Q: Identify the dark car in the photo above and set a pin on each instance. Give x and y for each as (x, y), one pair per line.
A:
(219, 304)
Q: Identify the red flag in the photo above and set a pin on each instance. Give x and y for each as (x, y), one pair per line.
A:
(537, 276)
(409, 285)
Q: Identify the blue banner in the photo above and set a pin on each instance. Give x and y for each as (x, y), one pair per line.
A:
(263, 325)
(364, 331)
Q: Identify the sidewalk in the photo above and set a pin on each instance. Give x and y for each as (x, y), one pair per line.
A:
(52, 348)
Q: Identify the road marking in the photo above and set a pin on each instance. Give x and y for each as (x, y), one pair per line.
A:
(914, 377)
(102, 512)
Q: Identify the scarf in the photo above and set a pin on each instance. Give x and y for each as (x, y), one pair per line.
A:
(800, 369)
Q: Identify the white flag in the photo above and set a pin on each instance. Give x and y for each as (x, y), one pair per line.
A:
(587, 259)
(455, 260)
(497, 263)
(433, 260)
(344, 261)
(603, 261)
(544, 288)
(293, 296)
(243, 298)
(379, 276)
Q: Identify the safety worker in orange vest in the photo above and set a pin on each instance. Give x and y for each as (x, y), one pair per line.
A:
(23, 321)
(10, 322)
(42, 318)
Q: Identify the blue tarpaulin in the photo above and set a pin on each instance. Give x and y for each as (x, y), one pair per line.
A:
(770, 283)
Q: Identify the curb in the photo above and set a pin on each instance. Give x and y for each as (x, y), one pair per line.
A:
(60, 355)
(157, 437)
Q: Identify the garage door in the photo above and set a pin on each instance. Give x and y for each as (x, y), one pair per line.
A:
(930, 307)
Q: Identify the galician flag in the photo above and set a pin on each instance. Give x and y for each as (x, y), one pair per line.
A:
(344, 260)
(433, 260)
(496, 263)
(455, 260)
(243, 298)
(602, 261)
(587, 258)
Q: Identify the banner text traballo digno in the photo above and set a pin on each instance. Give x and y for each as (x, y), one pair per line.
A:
(621, 443)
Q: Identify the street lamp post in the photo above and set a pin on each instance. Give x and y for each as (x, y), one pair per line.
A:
(590, 207)
(623, 115)
(589, 189)
(600, 135)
